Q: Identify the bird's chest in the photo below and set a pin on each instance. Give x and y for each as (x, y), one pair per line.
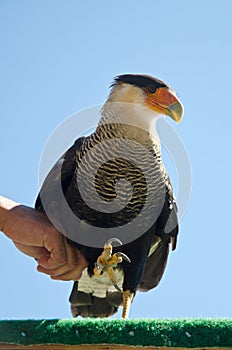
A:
(112, 181)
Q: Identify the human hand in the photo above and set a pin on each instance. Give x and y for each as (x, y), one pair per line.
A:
(34, 235)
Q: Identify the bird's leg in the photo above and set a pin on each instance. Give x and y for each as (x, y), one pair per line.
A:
(127, 300)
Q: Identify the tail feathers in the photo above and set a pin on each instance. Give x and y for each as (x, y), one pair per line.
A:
(87, 305)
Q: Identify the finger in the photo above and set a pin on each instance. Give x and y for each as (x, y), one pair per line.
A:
(71, 276)
(69, 264)
(54, 242)
(35, 252)
(71, 270)
(75, 273)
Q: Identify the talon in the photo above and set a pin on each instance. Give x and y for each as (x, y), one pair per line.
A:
(117, 287)
(111, 240)
(112, 278)
(123, 256)
(127, 300)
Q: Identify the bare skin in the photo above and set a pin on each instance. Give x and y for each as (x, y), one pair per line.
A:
(34, 235)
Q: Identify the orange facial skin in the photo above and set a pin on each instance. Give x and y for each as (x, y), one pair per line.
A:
(164, 101)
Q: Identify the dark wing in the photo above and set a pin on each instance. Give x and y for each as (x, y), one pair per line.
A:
(166, 232)
(61, 174)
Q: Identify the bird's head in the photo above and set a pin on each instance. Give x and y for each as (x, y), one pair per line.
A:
(148, 92)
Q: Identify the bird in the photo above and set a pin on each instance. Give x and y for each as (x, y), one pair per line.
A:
(112, 197)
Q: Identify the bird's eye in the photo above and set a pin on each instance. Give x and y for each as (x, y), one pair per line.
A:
(151, 88)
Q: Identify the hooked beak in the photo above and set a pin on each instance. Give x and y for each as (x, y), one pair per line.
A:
(165, 101)
(175, 111)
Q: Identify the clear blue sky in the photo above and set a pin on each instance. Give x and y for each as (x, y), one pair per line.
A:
(58, 57)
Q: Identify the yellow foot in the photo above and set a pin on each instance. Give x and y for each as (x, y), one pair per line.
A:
(127, 300)
(107, 262)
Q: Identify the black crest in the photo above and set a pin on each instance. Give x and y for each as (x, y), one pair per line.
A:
(142, 81)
